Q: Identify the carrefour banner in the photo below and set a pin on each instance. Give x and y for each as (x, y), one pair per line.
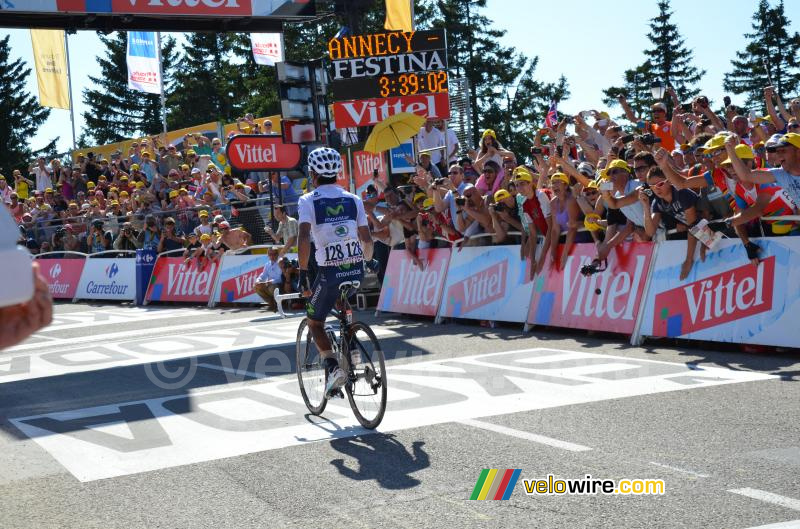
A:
(108, 279)
(605, 301)
(62, 275)
(144, 58)
(172, 280)
(412, 289)
(238, 276)
(727, 298)
(487, 283)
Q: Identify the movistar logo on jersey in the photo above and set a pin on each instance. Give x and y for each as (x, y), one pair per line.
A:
(341, 231)
(332, 211)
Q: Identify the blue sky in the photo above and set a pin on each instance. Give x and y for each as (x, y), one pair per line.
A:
(592, 47)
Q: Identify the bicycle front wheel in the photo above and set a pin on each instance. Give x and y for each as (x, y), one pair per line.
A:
(310, 371)
(366, 389)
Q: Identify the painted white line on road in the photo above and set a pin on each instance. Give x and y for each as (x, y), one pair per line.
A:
(676, 469)
(769, 497)
(792, 524)
(564, 445)
(41, 337)
(237, 372)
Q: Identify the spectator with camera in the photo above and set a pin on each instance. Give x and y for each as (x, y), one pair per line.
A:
(149, 238)
(170, 238)
(127, 239)
(504, 217)
(673, 207)
(98, 240)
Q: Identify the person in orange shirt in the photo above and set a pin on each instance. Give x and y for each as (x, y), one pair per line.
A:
(659, 126)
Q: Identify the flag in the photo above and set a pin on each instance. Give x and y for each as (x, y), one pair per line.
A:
(552, 116)
(50, 58)
(398, 15)
(144, 70)
(267, 48)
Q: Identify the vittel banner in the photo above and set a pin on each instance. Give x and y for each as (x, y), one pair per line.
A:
(62, 276)
(108, 279)
(172, 280)
(727, 298)
(409, 289)
(238, 278)
(487, 283)
(605, 301)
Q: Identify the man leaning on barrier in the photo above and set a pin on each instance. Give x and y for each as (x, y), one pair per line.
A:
(271, 277)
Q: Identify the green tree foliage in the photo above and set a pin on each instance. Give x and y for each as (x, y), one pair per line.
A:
(208, 85)
(771, 57)
(21, 113)
(668, 61)
(504, 94)
(117, 112)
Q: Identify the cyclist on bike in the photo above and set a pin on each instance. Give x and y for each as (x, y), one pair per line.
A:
(338, 224)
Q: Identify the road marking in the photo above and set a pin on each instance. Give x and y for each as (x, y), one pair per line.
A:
(107, 316)
(536, 438)
(197, 425)
(792, 524)
(676, 469)
(769, 497)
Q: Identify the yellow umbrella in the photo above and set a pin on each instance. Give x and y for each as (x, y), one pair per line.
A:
(393, 131)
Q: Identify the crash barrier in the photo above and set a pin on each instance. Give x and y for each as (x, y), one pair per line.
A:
(725, 297)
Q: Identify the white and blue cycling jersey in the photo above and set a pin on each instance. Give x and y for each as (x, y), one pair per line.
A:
(335, 216)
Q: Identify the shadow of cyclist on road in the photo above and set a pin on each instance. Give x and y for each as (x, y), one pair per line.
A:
(382, 458)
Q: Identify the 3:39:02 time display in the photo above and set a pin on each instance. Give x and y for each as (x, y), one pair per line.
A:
(409, 84)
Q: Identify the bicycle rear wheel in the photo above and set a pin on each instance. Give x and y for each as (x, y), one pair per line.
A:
(310, 371)
(366, 389)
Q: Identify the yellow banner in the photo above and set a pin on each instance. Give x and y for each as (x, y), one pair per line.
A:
(398, 15)
(51, 67)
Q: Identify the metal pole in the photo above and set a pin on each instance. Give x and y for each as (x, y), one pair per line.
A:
(412, 14)
(163, 97)
(69, 87)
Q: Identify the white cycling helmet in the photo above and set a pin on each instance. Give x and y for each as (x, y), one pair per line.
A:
(326, 162)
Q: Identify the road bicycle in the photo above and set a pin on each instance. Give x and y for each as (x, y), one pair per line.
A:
(360, 356)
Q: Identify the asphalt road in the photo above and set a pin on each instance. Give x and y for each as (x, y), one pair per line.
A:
(122, 417)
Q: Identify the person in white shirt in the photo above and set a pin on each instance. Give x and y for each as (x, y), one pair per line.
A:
(44, 177)
(270, 279)
(430, 137)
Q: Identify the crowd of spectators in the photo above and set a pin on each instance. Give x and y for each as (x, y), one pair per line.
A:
(688, 175)
(586, 179)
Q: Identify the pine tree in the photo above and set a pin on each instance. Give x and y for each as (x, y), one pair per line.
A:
(503, 92)
(116, 111)
(208, 86)
(668, 61)
(21, 113)
(771, 57)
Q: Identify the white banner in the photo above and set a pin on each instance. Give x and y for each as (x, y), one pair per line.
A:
(267, 48)
(144, 72)
(726, 298)
(237, 278)
(108, 279)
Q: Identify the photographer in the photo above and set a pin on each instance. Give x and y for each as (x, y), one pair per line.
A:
(127, 239)
(98, 240)
(674, 207)
(149, 237)
(170, 239)
(504, 215)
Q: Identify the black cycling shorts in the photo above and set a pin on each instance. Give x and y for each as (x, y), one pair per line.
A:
(325, 290)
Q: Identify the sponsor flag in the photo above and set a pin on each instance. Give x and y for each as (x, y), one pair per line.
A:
(144, 70)
(267, 48)
(495, 484)
(398, 15)
(551, 120)
(50, 57)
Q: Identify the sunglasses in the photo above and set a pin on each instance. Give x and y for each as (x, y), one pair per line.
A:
(794, 126)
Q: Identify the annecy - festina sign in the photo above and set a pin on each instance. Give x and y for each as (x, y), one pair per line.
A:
(379, 75)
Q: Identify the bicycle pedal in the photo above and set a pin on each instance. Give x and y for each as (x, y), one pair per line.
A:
(336, 394)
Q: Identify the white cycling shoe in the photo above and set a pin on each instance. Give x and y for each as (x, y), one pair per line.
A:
(336, 379)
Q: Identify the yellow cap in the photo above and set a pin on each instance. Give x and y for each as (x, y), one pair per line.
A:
(113, 190)
(792, 139)
(123, 194)
(489, 132)
(48, 190)
(184, 167)
(716, 142)
(501, 194)
(173, 194)
(124, 177)
(744, 152)
(145, 153)
(420, 196)
(90, 184)
(139, 185)
(618, 164)
(522, 174)
(202, 213)
(135, 167)
(205, 237)
(190, 152)
(560, 177)
(114, 203)
(183, 190)
(428, 203)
